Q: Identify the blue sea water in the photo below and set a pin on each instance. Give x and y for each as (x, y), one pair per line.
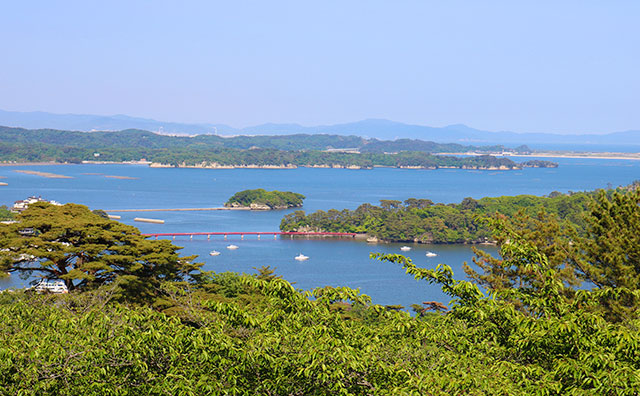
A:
(332, 262)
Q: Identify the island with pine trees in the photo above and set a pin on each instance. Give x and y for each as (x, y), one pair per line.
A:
(260, 199)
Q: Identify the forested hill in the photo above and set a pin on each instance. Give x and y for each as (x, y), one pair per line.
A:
(19, 145)
(133, 138)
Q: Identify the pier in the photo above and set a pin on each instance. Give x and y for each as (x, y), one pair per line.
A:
(256, 233)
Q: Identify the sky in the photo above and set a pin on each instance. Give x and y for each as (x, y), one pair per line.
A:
(526, 66)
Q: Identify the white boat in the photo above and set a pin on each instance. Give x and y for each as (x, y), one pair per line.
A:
(301, 257)
(232, 247)
(431, 254)
(52, 286)
(405, 248)
(214, 253)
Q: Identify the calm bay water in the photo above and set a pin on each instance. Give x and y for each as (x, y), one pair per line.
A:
(332, 262)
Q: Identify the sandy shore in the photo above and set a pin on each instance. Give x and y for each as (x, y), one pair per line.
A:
(43, 174)
(32, 163)
(206, 165)
(121, 177)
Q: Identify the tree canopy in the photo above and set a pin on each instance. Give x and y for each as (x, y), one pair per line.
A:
(524, 329)
(271, 199)
(84, 249)
(420, 220)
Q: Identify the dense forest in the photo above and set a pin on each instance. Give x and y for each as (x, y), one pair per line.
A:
(140, 319)
(19, 145)
(421, 220)
(262, 199)
(144, 139)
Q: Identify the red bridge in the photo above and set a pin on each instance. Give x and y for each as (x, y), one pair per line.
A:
(242, 234)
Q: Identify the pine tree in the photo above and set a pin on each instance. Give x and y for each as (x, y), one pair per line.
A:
(85, 250)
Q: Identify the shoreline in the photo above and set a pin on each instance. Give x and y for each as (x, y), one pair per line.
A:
(614, 156)
(551, 154)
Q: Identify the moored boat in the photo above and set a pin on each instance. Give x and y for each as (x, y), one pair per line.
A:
(430, 254)
(405, 248)
(232, 247)
(51, 286)
(301, 257)
(214, 253)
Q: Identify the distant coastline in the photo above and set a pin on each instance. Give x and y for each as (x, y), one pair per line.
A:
(566, 154)
(595, 155)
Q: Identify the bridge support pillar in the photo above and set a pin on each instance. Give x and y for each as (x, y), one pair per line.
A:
(174, 237)
(258, 236)
(225, 237)
(275, 236)
(242, 237)
(208, 237)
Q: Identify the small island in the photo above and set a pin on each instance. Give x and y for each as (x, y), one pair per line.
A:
(260, 199)
(539, 164)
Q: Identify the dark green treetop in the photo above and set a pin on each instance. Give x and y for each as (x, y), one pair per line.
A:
(86, 250)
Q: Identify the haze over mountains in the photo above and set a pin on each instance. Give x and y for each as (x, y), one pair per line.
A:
(372, 128)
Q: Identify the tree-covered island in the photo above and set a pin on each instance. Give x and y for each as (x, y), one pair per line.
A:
(423, 221)
(260, 199)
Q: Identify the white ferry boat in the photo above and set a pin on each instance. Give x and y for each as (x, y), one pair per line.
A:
(232, 247)
(405, 248)
(301, 257)
(51, 286)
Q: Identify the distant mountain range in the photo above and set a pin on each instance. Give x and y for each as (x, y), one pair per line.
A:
(371, 128)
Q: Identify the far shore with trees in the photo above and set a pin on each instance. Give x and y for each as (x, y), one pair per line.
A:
(19, 145)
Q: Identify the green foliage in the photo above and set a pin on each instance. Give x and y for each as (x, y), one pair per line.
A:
(419, 220)
(18, 144)
(549, 235)
(5, 214)
(539, 164)
(602, 249)
(554, 345)
(272, 339)
(272, 199)
(86, 250)
(531, 332)
(608, 255)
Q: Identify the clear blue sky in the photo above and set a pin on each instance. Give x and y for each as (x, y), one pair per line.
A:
(527, 66)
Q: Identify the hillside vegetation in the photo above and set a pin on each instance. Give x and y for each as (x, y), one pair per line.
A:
(139, 139)
(528, 331)
(20, 145)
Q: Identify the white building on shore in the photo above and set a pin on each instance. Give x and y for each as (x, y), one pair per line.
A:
(19, 206)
